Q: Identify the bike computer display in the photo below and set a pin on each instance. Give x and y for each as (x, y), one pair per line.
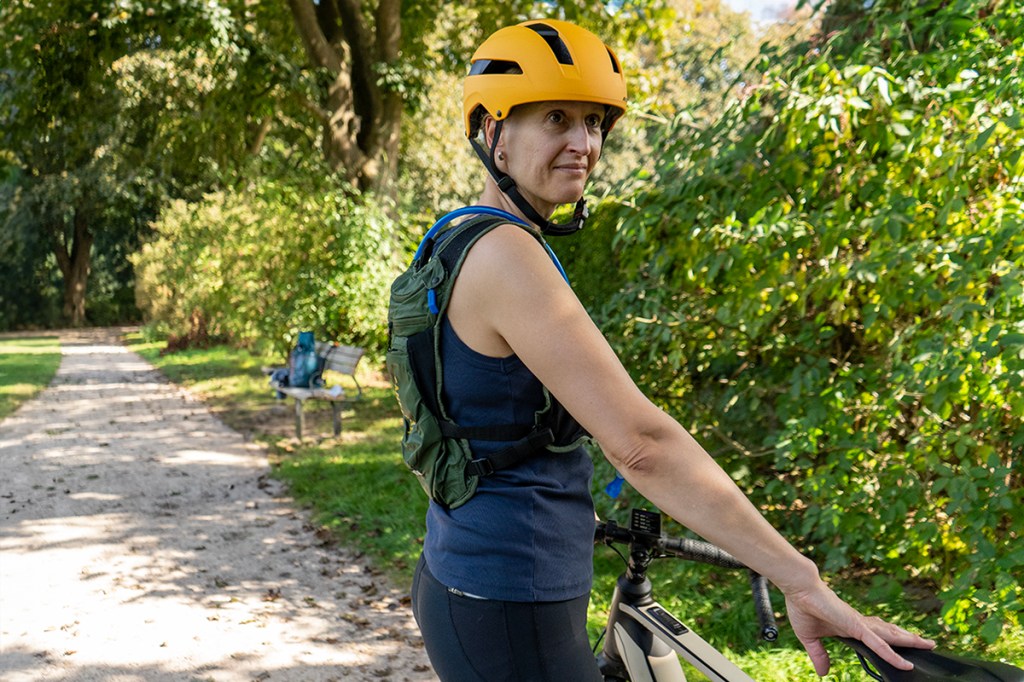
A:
(645, 523)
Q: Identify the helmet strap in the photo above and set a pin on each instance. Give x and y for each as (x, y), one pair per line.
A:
(507, 185)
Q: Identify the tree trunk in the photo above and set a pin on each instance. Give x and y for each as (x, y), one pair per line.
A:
(74, 263)
(389, 35)
(361, 120)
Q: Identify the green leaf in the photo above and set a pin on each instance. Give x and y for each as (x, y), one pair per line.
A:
(992, 628)
(983, 138)
(858, 103)
(900, 129)
(883, 90)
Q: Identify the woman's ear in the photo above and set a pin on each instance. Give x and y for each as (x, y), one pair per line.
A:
(489, 125)
(490, 128)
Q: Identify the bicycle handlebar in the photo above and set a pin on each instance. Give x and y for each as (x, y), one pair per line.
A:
(765, 614)
(609, 532)
(699, 551)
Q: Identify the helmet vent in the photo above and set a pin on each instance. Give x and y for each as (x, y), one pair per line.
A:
(494, 66)
(615, 62)
(554, 41)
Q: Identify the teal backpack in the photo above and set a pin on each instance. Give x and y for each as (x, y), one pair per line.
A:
(303, 362)
(434, 447)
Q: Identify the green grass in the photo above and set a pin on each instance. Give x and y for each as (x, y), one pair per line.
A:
(27, 365)
(359, 492)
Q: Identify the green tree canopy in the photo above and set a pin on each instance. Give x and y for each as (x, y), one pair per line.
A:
(110, 109)
(87, 170)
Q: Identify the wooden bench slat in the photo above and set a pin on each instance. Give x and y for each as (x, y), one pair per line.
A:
(307, 393)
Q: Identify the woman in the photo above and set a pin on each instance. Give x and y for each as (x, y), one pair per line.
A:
(502, 588)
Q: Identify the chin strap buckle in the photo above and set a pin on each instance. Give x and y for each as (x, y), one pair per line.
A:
(579, 216)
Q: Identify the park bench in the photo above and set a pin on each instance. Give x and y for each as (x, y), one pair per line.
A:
(335, 358)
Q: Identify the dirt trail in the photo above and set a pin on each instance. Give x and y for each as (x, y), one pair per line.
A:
(141, 540)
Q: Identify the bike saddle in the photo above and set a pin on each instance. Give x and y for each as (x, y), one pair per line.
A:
(933, 666)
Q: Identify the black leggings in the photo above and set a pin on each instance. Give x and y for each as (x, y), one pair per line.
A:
(483, 640)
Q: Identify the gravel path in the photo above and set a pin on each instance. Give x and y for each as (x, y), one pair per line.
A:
(142, 540)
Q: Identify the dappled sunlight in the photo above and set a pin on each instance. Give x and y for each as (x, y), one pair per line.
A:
(236, 666)
(106, 497)
(60, 532)
(21, 389)
(29, 346)
(114, 390)
(206, 457)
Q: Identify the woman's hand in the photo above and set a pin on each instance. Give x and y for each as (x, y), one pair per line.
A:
(819, 612)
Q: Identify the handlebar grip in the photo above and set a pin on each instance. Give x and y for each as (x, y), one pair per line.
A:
(763, 604)
(704, 552)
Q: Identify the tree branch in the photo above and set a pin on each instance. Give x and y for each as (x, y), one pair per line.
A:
(321, 114)
(319, 50)
(259, 134)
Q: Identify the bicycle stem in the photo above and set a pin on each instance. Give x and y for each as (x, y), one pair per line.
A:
(640, 559)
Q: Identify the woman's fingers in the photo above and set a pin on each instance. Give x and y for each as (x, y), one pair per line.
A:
(822, 614)
(818, 655)
(880, 636)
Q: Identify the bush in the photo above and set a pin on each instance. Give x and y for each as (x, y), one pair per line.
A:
(827, 287)
(590, 261)
(259, 265)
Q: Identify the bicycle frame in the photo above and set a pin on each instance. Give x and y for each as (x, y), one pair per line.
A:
(644, 638)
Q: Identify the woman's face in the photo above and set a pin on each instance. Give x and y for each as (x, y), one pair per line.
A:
(550, 149)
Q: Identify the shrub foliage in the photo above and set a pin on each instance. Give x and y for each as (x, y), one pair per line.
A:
(256, 266)
(826, 285)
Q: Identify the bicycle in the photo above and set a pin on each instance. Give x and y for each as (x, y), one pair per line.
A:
(643, 640)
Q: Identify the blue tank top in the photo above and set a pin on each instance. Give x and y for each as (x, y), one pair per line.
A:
(528, 532)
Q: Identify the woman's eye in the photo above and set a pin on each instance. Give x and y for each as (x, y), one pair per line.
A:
(556, 117)
(594, 121)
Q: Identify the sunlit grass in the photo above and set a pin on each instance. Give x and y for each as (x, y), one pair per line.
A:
(27, 365)
(359, 492)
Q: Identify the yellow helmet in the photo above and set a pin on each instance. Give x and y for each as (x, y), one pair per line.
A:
(538, 61)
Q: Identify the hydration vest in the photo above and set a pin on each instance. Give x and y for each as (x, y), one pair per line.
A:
(434, 447)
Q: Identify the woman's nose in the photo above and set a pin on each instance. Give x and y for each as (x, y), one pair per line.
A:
(580, 139)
